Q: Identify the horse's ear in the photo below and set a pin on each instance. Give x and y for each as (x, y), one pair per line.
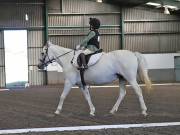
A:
(48, 43)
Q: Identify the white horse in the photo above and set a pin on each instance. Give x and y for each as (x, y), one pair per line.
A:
(120, 64)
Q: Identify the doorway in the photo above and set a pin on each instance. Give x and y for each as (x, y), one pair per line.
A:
(16, 63)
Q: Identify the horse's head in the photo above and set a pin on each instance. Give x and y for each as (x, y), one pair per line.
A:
(45, 57)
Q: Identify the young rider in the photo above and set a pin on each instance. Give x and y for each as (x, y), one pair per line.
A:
(91, 42)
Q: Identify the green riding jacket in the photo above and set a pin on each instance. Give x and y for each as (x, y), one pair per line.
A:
(84, 44)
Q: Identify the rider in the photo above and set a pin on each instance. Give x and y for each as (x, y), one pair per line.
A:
(91, 42)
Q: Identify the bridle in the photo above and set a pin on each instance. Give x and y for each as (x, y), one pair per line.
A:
(45, 64)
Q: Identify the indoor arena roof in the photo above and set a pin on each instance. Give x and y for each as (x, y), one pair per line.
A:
(172, 5)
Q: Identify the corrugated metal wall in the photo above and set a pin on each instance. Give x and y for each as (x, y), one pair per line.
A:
(35, 44)
(13, 16)
(151, 31)
(146, 30)
(69, 25)
(2, 61)
(85, 6)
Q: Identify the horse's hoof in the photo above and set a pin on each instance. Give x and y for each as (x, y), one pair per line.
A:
(57, 112)
(144, 113)
(112, 112)
(92, 114)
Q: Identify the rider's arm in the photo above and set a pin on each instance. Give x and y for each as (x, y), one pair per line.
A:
(85, 41)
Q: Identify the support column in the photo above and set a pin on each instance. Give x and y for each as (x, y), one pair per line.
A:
(46, 32)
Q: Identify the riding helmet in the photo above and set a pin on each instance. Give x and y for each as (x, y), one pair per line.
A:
(94, 22)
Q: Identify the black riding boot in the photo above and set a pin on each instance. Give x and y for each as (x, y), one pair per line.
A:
(82, 77)
(83, 60)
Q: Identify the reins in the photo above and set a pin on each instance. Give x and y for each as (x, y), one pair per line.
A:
(62, 55)
(54, 59)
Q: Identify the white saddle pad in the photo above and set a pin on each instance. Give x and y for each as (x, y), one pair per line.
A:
(93, 59)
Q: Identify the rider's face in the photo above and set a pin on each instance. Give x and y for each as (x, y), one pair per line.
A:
(90, 27)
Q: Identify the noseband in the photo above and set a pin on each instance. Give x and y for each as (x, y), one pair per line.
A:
(45, 64)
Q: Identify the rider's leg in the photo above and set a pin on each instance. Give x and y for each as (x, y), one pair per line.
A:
(83, 60)
(82, 77)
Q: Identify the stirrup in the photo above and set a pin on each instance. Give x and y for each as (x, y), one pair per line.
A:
(85, 67)
(82, 67)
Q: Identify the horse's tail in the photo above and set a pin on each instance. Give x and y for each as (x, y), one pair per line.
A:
(142, 69)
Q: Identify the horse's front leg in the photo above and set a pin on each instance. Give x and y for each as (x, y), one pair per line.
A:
(88, 98)
(67, 88)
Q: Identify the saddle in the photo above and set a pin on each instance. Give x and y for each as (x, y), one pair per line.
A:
(91, 59)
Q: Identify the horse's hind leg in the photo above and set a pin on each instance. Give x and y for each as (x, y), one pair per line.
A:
(67, 88)
(122, 94)
(88, 98)
(138, 92)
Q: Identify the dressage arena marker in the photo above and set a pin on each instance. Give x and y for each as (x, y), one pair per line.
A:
(86, 128)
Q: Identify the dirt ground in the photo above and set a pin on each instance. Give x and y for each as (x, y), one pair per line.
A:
(34, 108)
